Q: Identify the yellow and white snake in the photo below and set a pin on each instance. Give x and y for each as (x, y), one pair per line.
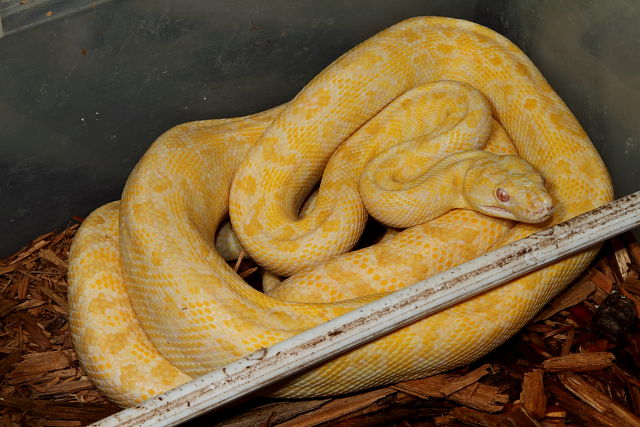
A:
(153, 304)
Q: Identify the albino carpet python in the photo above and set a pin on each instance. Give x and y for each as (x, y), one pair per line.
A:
(153, 304)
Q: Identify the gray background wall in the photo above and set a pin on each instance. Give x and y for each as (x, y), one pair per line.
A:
(84, 91)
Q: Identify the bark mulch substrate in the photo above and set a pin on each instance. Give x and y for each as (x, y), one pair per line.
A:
(577, 363)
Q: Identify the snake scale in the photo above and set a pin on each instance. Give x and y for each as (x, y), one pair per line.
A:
(153, 304)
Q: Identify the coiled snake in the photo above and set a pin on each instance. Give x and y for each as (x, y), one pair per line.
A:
(153, 304)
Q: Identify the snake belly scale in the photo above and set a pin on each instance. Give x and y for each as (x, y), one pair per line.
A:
(152, 304)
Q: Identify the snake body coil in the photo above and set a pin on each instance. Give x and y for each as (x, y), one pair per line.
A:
(153, 304)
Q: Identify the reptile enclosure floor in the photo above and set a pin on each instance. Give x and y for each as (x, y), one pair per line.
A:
(577, 363)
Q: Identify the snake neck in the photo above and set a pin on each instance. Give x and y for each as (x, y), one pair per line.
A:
(429, 193)
(448, 175)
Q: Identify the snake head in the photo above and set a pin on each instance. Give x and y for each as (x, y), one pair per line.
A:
(507, 187)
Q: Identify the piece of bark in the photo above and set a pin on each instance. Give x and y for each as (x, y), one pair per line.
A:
(609, 268)
(536, 343)
(7, 363)
(238, 261)
(30, 276)
(568, 342)
(35, 294)
(36, 363)
(517, 418)
(39, 243)
(55, 297)
(77, 411)
(623, 260)
(598, 296)
(555, 411)
(7, 306)
(462, 389)
(442, 385)
(392, 409)
(36, 334)
(632, 285)
(575, 294)
(47, 379)
(598, 400)
(22, 287)
(69, 232)
(482, 397)
(586, 413)
(61, 388)
(539, 328)
(51, 256)
(634, 394)
(532, 396)
(30, 303)
(579, 362)
(337, 408)
(445, 420)
(602, 281)
(388, 410)
(5, 269)
(273, 413)
(634, 248)
(559, 331)
(249, 271)
(61, 423)
(521, 418)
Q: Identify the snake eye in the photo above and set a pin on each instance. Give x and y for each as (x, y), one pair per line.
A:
(502, 195)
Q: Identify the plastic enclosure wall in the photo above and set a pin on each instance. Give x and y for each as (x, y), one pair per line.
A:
(86, 87)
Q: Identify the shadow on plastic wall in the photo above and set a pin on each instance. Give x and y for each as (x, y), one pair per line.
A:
(85, 88)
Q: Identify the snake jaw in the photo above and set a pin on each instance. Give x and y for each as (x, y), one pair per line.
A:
(534, 213)
(497, 211)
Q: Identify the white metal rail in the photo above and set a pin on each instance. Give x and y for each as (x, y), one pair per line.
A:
(405, 306)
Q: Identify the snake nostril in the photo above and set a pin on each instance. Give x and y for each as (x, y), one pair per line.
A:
(541, 207)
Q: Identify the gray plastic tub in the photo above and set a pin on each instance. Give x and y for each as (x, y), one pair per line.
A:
(85, 87)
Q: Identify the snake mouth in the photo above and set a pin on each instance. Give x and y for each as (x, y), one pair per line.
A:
(528, 217)
(498, 211)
